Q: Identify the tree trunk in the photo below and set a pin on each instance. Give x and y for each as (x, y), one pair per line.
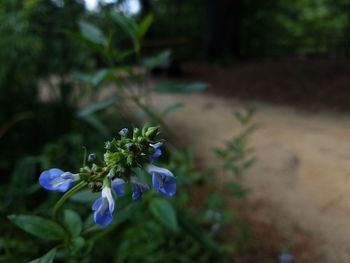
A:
(222, 27)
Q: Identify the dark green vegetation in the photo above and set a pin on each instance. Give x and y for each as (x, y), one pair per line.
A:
(55, 57)
(62, 52)
(248, 28)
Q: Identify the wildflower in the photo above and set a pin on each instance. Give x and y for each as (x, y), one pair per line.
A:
(91, 157)
(104, 207)
(116, 185)
(138, 188)
(157, 151)
(123, 132)
(57, 180)
(163, 180)
(129, 145)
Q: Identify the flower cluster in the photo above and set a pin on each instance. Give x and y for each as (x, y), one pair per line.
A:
(112, 174)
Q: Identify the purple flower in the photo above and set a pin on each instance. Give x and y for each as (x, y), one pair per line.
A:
(163, 180)
(123, 132)
(157, 150)
(103, 207)
(138, 188)
(116, 185)
(91, 157)
(57, 180)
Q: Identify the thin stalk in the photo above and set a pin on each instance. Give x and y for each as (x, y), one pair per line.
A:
(84, 156)
(64, 198)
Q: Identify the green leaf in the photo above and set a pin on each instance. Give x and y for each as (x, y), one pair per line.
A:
(164, 212)
(92, 32)
(144, 26)
(99, 76)
(157, 60)
(249, 163)
(215, 200)
(94, 79)
(178, 87)
(97, 106)
(73, 222)
(47, 258)
(194, 229)
(221, 153)
(128, 26)
(172, 107)
(38, 226)
(76, 244)
(95, 122)
(79, 37)
(237, 190)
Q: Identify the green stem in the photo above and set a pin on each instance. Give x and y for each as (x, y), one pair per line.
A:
(84, 156)
(64, 198)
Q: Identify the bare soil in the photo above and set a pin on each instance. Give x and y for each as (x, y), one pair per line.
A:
(300, 184)
(310, 84)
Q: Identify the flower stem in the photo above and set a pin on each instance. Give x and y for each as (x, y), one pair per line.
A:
(64, 198)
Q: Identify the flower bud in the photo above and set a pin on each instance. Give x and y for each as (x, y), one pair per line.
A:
(152, 132)
(136, 133)
(123, 132)
(95, 186)
(91, 157)
(108, 145)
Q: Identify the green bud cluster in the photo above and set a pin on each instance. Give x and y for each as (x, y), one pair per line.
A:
(122, 154)
(127, 152)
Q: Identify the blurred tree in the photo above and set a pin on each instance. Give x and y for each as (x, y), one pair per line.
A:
(222, 27)
(35, 50)
(146, 7)
(249, 28)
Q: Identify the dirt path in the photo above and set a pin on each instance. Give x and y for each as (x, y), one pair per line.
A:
(302, 177)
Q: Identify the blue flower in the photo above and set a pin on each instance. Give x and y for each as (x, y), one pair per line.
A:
(91, 157)
(116, 185)
(57, 180)
(157, 151)
(163, 180)
(123, 132)
(104, 207)
(129, 145)
(286, 258)
(138, 188)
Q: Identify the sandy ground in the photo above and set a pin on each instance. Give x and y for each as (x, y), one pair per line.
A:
(301, 180)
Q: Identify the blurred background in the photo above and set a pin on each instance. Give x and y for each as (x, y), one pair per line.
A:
(259, 88)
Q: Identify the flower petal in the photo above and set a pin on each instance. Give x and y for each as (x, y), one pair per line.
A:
(102, 215)
(156, 154)
(55, 172)
(155, 182)
(52, 180)
(138, 188)
(116, 185)
(156, 145)
(69, 175)
(107, 193)
(97, 204)
(63, 186)
(123, 131)
(169, 187)
(150, 168)
(136, 195)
